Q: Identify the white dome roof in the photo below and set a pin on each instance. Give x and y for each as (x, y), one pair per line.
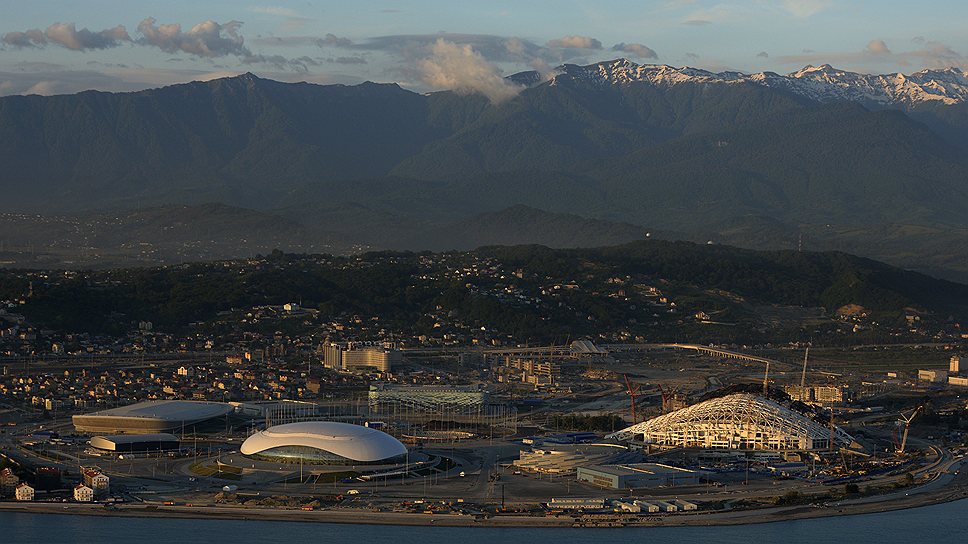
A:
(353, 442)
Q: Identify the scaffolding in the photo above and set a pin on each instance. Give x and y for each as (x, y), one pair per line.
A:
(741, 422)
(450, 409)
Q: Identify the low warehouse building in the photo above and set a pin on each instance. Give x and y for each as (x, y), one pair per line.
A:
(646, 506)
(637, 475)
(136, 443)
(565, 459)
(574, 503)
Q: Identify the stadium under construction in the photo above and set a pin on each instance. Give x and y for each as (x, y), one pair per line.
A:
(739, 421)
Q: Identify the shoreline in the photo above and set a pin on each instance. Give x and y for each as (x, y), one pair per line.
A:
(366, 517)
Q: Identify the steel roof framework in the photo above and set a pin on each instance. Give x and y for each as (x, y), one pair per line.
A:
(740, 421)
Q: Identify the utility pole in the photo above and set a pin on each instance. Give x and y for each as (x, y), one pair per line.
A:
(803, 374)
(766, 380)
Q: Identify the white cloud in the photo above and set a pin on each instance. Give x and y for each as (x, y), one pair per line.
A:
(29, 38)
(206, 39)
(636, 49)
(878, 56)
(461, 68)
(44, 88)
(48, 81)
(576, 42)
(877, 47)
(67, 35)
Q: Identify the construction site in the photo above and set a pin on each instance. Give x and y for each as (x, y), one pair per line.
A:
(588, 431)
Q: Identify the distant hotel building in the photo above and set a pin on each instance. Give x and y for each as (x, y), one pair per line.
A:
(354, 357)
(531, 371)
(819, 394)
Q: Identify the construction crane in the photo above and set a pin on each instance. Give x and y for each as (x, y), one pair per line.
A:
(667, 398)
(632, 392)
(906, 420)
(830, 441)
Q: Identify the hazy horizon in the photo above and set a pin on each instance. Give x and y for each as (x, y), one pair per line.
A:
(428, 45)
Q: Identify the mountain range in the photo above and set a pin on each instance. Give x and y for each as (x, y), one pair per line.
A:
(820, 83)
(591, 155)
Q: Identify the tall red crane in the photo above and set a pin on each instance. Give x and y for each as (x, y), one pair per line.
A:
(632, 392)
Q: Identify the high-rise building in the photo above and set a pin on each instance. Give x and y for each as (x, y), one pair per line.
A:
(954, 365)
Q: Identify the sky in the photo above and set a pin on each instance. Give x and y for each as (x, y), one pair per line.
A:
(66, 46)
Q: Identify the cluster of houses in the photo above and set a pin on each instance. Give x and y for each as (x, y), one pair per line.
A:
(94, 485)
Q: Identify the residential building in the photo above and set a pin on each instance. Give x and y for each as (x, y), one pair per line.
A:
(933, 376)
(24, 492)
(8, 482)
(356, 357)
(99, 482)
(83, 493)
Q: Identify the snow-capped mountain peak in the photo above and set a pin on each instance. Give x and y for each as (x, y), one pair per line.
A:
(823, 83)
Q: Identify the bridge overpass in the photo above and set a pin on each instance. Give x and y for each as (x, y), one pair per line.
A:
(586, 347)
(698, 348)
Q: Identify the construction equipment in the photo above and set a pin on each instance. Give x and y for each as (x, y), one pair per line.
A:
(906, 420)
(632, 392)
(832, 430)
(667, 397)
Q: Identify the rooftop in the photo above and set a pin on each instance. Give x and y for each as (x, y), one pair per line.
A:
(168, 410)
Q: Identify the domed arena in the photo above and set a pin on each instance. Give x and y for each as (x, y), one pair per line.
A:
(324, 443)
